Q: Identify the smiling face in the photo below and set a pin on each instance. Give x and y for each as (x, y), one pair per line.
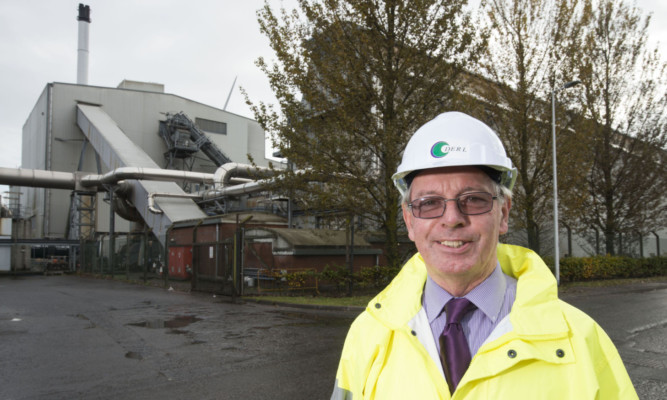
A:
(459, 250)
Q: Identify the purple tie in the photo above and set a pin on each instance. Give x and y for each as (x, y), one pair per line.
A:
(454, 351)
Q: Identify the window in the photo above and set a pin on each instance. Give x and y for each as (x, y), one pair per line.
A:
(209, 126)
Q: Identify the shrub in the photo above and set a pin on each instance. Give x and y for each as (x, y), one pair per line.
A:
(611, 267)
(375, 277)
(572, 269)
(299, 279)
(337, 275)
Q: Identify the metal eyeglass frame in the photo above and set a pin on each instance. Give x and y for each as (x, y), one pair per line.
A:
(445, 200)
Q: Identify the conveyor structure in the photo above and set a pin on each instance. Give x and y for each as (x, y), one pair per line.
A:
(183, 139)
(116, 150)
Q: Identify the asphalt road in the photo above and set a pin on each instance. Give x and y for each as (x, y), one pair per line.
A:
(66, 337)
(635, 317)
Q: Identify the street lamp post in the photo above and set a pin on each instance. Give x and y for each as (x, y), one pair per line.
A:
(555, 172)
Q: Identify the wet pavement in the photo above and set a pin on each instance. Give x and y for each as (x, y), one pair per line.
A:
(635, 317)
(67, 337)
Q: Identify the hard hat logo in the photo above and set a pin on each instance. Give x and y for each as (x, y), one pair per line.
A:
(441, 149)
(436, 150)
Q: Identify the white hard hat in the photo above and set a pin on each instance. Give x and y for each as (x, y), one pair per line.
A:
(454, 139)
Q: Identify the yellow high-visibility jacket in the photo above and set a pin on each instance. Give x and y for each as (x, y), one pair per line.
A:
(544, 348)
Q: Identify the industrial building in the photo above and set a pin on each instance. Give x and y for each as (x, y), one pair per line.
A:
(54, 141)
(123, 180)
(131, 179)
(130, 169)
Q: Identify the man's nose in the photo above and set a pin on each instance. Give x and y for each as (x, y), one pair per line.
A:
(452, 216)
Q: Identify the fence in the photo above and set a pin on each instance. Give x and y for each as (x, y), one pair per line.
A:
(133, 256)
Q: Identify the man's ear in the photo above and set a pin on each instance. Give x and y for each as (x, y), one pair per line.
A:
(407, 218)
(505, 215)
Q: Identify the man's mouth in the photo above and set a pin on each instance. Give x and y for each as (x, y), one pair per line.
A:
(452, 243)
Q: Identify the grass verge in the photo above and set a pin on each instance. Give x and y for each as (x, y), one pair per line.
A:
(352, 301)
(362, 300)
(610, 283)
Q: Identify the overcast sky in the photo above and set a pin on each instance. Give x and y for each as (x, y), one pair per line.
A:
(194, 48)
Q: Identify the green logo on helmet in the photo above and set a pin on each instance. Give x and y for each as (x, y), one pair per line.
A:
(441, 149)
(438, 149)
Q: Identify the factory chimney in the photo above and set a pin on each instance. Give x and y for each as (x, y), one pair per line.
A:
(82, 61)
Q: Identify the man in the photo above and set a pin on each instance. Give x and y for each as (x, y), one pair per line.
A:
(467, 317)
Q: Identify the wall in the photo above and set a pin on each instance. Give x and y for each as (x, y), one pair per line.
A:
(581, 247)
(33, 156)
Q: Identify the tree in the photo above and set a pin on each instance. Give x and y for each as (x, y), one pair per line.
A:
(354, 79)
(531, 50)
(625, 98)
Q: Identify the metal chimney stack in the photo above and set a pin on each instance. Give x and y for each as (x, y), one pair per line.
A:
(82, 62)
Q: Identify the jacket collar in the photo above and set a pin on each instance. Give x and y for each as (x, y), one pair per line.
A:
(536, 310)
(535, 313)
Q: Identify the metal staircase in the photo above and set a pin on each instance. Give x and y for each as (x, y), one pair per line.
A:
(82, 215)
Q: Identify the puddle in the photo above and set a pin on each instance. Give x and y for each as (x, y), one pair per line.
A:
(179, 321)
(134, 355)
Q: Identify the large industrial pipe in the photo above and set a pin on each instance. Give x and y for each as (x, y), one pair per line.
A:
(225, 172)
(151, 174)
(67, 180)
(235, 190)
(238, 189)
(37, 178)
(245, 188)
(151, 199)
(82, 52)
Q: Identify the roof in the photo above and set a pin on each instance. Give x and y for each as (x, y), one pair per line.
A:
(310, 237)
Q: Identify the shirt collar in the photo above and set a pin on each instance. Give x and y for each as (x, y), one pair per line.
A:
(488, 296)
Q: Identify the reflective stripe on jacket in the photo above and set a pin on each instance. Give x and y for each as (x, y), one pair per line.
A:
(545, 349)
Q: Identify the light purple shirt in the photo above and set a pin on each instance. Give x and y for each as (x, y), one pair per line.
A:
(493, 297)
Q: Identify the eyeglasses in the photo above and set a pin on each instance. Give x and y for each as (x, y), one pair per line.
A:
(475, 203)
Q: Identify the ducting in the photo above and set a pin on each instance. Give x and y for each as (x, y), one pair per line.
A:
(152, 196)
(37, 178)
(151, 174)
(124, 208)
(236, 190)
(250, 187)
(223, 176)
(124, 189)
(224, 173)
(68, 180)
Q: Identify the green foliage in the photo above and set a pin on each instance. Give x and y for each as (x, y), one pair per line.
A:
(572, 269)
(299, 279)
(376, 277)
(611, 267)
(337, 275)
